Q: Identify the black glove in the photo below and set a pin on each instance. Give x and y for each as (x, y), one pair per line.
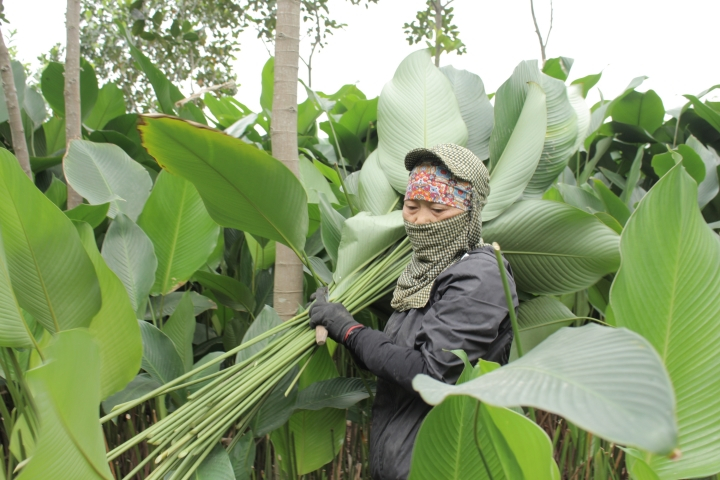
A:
(333, 316)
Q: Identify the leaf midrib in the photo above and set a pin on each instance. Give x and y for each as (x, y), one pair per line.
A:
(173, 245)
(51, 310)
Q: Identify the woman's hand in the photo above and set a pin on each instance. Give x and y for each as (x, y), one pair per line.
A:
(333, 316)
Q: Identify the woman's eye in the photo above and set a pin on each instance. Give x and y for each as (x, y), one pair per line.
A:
(438, 211)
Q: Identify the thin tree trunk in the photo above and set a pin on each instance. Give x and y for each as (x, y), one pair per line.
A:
(288, 268)
(73, 119)
(438, 30)
(13, 108)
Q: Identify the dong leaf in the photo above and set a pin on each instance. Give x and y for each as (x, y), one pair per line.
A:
(376, 194)
(93, 215)
(512, 446)
(110, 104)
(266, 320)
(363, 238)
(52, 84)
(180, 328)
(318, 434)
(228, 291)
(475, 108)
(331, 225)
(515, 167)
(52, 275)
(668, 290)
(114, 327)
(66, 390)
(560, 137)
(242, 187)
(14, 328)
(417, 108)
(102, 173)
(538, 319)
(160, 358)
(554, 248)
(338, 392)
(242, 457)
(181, 230)
(129, 253)
(509, 103)
(627, 398)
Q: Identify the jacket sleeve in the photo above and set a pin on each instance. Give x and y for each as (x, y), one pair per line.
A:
(469, 309)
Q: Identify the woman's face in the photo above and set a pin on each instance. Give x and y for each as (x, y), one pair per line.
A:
(421, 212)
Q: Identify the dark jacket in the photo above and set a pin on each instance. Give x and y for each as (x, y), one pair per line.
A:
(467, 310)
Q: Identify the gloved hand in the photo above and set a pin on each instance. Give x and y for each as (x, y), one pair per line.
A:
(333, 316)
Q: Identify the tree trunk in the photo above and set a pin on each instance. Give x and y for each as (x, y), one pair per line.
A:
(14, 116)
(288, 268)
(438, 30)
(73, 118)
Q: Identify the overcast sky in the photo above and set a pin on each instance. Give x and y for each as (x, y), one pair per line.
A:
(673, 43)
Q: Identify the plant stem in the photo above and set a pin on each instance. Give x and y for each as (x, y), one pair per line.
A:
(508, 299)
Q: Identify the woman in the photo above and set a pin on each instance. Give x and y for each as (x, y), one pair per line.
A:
(449, 297)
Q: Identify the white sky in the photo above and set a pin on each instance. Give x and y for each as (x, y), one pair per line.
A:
(673, 43)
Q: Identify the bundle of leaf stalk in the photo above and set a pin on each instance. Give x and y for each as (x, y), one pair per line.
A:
(235, 394)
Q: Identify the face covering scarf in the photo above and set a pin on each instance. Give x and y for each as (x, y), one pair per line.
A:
(436, 246)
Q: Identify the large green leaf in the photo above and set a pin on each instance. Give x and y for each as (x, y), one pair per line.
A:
(318, 435)
(314, 182)
(115, 327)
(230, 292)
(180, 328)
(417, 108)
(52, 83)
(181, 230)
(19, 79)
(363, 238)
(242, 187)
(128, 252)
(512, 446)
(626, 398)
(475, 108)
(102, 173)
(66, 390)
(110, 104)
(582, 112)
(376, 194)
(554, 248)
(341, 392)
(14, 328)
(538, 319)
(268, 85)
(709, 187)
(560, 137)
(266, 320)
(93, 215)
(141, 385)
(668, 290)
(165, 91)
(509, 103)
(331, 225)
(216, 466)
(515, 167)
(644, 110)
(242, 457)
(53, 278)
(160, 358)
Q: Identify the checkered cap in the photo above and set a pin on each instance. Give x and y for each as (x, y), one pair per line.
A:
(462, 163)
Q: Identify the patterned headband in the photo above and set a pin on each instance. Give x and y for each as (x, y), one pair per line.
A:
(433, 182)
